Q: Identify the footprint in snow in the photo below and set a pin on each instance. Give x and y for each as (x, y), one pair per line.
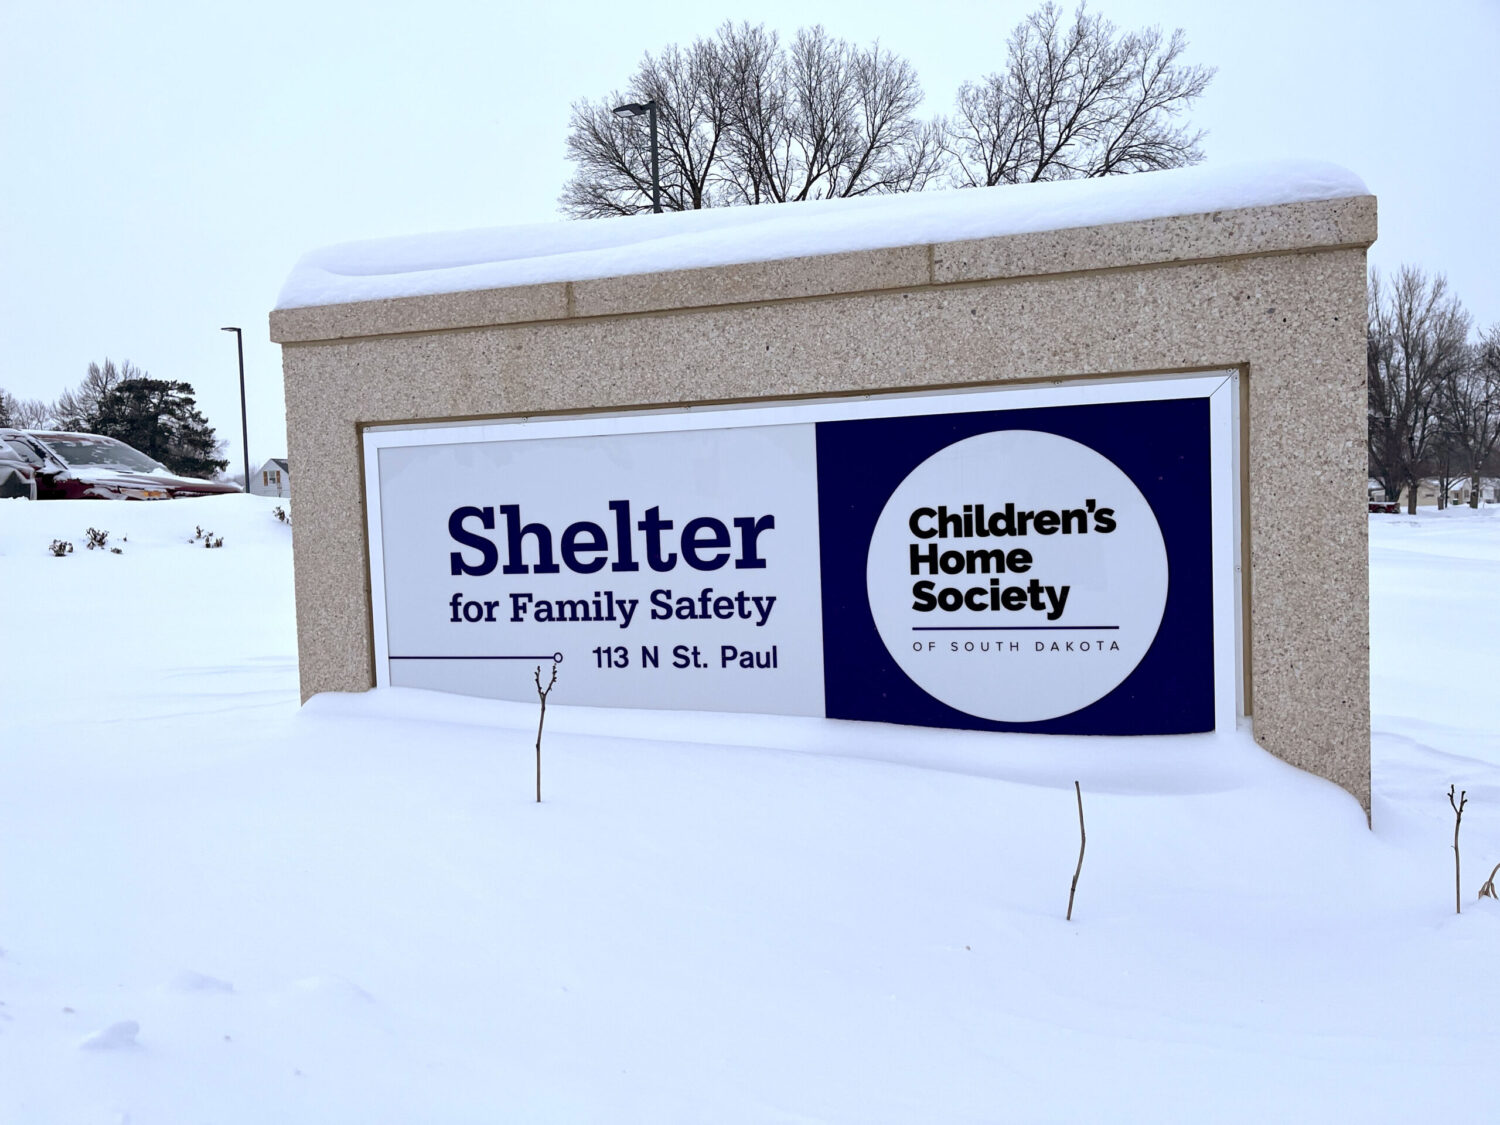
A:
(330, 985)
(199, 982)
(116, 1037)
(322, 993)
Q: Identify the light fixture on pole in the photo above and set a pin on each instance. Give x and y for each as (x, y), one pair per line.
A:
(635, 109)
(239, 341)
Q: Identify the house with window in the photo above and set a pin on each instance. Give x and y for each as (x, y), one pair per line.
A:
(273, 479)
(1459, 491)
(1430, 490)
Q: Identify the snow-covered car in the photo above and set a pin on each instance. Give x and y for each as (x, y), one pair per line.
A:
(17, 475)
(93, 467)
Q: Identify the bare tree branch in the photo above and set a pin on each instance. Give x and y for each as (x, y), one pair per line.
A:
(1468, 405)
(1083, 840)
(1077, 99)
(612, 155)
(79, 409)
(542, 694)
(23, 413)
(746, 120)
(1417, 341)
(1458, 819)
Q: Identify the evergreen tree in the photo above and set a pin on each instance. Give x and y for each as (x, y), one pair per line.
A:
(161, 419)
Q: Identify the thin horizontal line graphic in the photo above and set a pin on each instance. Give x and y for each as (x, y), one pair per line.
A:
(1008, 628)
(555, 657)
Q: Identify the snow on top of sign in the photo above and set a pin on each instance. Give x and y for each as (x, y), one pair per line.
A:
(500, 257)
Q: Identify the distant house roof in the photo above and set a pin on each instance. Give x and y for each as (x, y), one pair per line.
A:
(1457, 482)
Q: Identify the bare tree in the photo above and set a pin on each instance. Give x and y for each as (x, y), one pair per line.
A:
(1469, 405)
(23, 413)
(1078, 99)
(745, 120)
(79, 409)
(31, 414)
(1445, 464)
(824, 119)
(613, 156)
(754, 71)
(1416, 342)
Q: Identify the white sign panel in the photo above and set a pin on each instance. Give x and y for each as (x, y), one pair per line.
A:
(1056, 560)
(642, 562)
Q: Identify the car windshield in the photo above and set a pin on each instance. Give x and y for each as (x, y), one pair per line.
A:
(103, 452)
(26, 451)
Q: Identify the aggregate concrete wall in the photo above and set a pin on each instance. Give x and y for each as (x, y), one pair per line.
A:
(1277, 292)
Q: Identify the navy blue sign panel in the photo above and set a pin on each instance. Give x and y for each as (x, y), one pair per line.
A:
(1045, 570)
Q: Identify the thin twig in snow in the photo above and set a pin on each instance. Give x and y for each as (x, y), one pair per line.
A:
(1458, 816)
(542, 693)
(1083, 840)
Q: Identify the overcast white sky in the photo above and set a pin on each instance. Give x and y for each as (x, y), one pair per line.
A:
(166, 164)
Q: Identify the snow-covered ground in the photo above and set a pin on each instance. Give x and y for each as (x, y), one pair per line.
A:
(216, 906)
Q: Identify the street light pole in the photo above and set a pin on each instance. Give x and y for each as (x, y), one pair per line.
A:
(239, 341)
(655, 164)
(635, 109)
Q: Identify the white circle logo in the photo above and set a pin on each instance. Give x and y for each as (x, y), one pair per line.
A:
(1017, 576)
